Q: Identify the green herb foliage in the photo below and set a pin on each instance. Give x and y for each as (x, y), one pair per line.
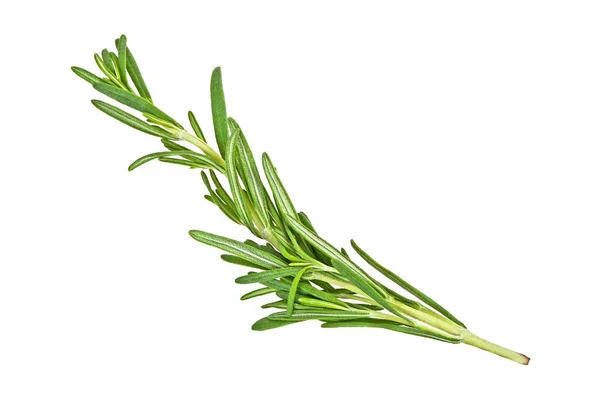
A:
(314, 280)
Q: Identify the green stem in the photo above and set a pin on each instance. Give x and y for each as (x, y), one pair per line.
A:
(431, 319)
(433, 322)
(471, 339)
(206, 149)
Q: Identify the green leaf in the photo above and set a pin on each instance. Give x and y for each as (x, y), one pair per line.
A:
(122, 59)
(306, 221)
(368, 307)
(268, 248)
(133, 101)
(237, 248)
(286, 248)
(274, 213)
(313, 239)
(267, 275)
(304, 288)
(396, 279)
(158, 121)
(389, 325)
(106, 70)
(171, 145)
(281, 304)
(196, 126)
(347, 271)
(147, 158)
(193, 158)
(282, 199)
(257, 293)
(181, 162)
(324, 285)
(233, 259)
(131, 120)
(219, 110)
(300, 246)
(254, 184)
(278, 285)
(283, 295)
(293, 289)
(115, 63)
(136, 77)
(108, 61)
(312, 302)
(322, 315)
(86, 75)
(234, 183)
(268, 324)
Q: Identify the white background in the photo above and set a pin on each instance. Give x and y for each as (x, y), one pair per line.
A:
(456, 141)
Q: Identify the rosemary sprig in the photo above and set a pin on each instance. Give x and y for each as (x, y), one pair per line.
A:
(312, 279)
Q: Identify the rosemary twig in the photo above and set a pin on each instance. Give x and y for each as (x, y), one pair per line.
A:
(312, 279)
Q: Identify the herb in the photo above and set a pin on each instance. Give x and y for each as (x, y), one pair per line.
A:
(312, 279)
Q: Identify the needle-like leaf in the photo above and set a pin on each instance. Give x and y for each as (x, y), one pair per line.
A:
(86, 75)
(267, 248)
(268, 324)
(198, 159)
(267, 275)
(108, 72)
(181, 162)
(122, 59)
(312, 302)
(282, 199)
(257, 293)
(133, 101)
(237, 248)
(108, 62)
(196, 126)
(252, 177)
(284, 284)
(293, 289)
(219, 110)
(322, 315)
(233, 259)
(136, 77)
(241, 207)
(131, 120)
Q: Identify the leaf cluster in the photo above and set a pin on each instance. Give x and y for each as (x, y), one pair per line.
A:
(311, 278)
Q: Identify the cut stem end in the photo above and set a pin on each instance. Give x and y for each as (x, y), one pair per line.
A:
(471, 339)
